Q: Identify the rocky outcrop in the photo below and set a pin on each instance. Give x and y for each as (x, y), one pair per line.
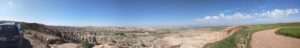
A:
(45, 37)
(231, 29)
(122, 38)
(115, 40)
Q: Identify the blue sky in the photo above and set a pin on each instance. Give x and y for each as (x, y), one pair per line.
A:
(150, 12)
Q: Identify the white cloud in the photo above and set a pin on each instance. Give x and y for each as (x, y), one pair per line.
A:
(236, 16)
(211, 18)
(223, 17)
(276, 13)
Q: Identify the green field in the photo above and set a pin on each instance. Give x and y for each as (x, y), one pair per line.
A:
(292, 32)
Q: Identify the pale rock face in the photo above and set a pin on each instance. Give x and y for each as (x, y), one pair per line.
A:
(67, 45)
(104, 46)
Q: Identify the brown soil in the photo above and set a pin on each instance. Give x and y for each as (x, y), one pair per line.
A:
(268, 39)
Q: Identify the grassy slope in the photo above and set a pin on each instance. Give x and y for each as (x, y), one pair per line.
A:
(293, 32)
(231, 41)
(246, 32)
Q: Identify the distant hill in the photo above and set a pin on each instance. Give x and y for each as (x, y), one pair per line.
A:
(294, 24)
(45, 28)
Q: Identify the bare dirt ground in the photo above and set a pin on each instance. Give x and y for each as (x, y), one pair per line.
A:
(268, 39)
(193, 39)
(67, 45)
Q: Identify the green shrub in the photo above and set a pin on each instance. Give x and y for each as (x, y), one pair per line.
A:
(86, 45)
(229, 42)
(119, 33)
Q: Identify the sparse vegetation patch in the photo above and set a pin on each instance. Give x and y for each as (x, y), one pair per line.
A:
(292, 32)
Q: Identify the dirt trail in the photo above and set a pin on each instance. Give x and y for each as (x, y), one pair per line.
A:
(268, 39)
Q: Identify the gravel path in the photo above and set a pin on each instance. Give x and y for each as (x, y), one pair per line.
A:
(268, 39)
